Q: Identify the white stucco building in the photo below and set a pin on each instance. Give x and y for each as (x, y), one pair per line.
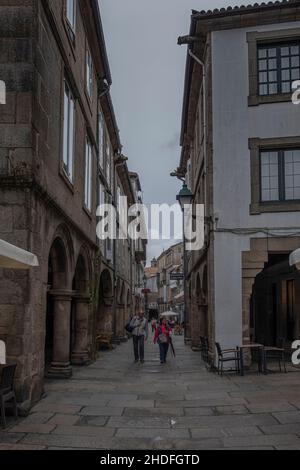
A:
(241, 147)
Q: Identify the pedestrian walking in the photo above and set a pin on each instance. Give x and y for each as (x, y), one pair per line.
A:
(139, 326)
(162, 337)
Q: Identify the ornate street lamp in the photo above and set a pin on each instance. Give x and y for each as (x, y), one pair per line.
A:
(185, 198)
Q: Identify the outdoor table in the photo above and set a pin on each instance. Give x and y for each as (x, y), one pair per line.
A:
(252, 346)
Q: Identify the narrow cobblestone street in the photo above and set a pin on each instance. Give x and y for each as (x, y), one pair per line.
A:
(114, 404)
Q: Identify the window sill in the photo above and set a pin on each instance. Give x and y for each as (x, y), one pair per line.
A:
(261, 208)
(67, 180)
(70, 33)
(256, 100)
(88, 212)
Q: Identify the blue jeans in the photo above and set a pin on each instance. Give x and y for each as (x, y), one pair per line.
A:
(163, 350)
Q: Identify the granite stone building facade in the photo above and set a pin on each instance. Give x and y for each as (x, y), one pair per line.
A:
(60, 157)
(241, 158)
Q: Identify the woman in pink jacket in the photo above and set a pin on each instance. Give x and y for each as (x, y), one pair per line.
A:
(162, 337)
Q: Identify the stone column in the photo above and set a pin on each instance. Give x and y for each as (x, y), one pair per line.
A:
(80, 355)
(60, 365)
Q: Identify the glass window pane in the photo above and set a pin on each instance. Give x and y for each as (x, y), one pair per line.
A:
(66, 127)
(285, 75)
(295, 61)
(297, 194)
(289, 194)
(295, 74)
(289, 182)
(295, 50)
(273, 76)
(273, 88)
(286, 87)
(274, 195)
(263, 77)
(272, 64)
(265, 171)
(265, 196)
(262, 65)
(263, 89)
(272, 52)
(262, 53)
(285, 63)
(274, 182)
(285, 51)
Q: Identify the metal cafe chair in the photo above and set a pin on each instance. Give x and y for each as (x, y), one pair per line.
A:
(225, 356)
(7, 393)
(277, 354)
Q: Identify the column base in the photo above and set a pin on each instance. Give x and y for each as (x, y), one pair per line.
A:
(80, 358)
(59, 371)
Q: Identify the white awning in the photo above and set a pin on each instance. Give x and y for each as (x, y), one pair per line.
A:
(295, 259)
(12, 257)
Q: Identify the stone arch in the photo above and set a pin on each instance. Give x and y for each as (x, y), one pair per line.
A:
(255, 262)
(59, 297)
(104, 323)
(81, 307)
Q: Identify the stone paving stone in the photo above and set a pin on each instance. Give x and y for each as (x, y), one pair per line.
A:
(10, 438)
(92, 421)
(154, 433)
(202, 402)
(202, 411)
(101, 411)
(270, 407)
(231, 410)
(84, 431)
(289, 417)
(38, 418)
(140, 422)
(282, 429)
(243, 431)
(57, 408)
(225, 432)
(64, 420)
(225, 421)
(153, 412)
(21, 447)
(33, 428)
(254, 441)
(131, 404)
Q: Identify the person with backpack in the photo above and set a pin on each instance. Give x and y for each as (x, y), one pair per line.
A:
(162, 337)
(138, 327)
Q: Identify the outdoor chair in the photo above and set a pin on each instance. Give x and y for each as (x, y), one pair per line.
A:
(104, 341)
(7, 393)
(276, 354)
(225, 356)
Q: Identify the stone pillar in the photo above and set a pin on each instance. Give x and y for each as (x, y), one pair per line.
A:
(60, 365)
(80, 355)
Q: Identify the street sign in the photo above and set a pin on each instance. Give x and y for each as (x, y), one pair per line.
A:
(176, 277)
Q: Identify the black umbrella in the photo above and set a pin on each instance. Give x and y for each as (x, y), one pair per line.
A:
(172, 347)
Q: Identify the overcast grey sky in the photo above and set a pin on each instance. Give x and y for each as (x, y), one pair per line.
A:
(148, 75)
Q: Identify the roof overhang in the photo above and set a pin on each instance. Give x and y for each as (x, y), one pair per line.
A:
(12, 257)
(295, 259)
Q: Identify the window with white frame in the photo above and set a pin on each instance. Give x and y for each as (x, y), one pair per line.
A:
(101, 138)
(71, 13)
(108, 159)
(280, 175)
(68, 132)
(89, 73)
(88, 174)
